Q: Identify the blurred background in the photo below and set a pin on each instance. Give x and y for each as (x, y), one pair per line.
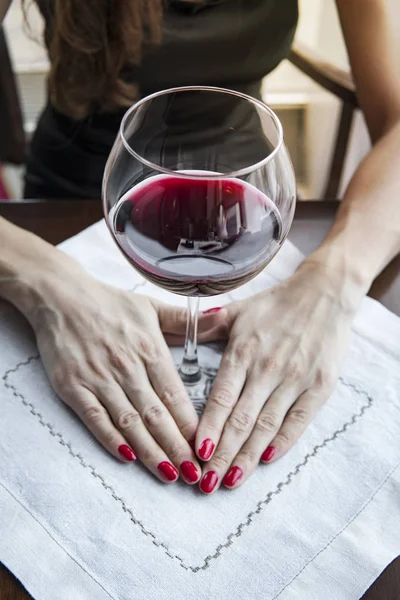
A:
(310, 114)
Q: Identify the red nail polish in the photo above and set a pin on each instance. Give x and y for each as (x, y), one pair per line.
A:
(206, 449)
(268, 454)
(233, 476)
(210, 311)
(127, 452)
(189, 472)
(169, 472)
(209, 482)
(192, 444)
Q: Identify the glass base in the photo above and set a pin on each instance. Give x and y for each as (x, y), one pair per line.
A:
(199, 390)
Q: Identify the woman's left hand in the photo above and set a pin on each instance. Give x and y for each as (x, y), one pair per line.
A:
(281, 364)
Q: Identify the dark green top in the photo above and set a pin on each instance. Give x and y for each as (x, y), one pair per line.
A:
(228, 43)
(225, 43)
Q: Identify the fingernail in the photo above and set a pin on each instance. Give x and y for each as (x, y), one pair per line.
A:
(189, 472)
(268, 454)
(192, 444)
(210, 311)
(126, 452)
(209, 482)
(169, 472)
(206, 449)
(233, 476)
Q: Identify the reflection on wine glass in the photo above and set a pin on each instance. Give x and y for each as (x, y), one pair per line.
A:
(199, 194)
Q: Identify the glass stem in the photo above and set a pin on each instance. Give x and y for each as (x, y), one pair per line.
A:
(189, 370)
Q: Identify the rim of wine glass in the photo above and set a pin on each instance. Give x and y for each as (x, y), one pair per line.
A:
(201, 88)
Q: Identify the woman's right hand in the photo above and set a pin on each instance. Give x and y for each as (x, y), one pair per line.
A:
(105, 355)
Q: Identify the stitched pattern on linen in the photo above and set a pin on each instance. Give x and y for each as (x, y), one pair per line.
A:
(248, 519)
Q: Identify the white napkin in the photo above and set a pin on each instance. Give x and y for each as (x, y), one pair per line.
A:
(322, 522)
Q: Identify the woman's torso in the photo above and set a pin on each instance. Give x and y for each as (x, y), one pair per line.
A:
(226, 43)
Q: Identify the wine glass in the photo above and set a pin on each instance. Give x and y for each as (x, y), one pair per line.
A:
(199, 195)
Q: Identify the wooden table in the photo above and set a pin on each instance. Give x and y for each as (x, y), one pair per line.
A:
(58, 220)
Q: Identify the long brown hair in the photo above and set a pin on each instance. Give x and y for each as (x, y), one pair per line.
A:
(91, 41)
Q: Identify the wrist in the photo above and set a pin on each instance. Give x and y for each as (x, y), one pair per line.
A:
(339, 276)
(342, 259)
(29, 269)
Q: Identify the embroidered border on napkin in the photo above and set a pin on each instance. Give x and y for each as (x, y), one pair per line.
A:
(247, 520)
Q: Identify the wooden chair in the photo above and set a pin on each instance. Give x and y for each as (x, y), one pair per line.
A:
(336, 81)
(340, 83)
(12, 136)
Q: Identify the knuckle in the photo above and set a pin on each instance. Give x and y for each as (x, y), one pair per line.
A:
(105, 388)
(247, 455)
(154, 416)
(174, 451)
(298, 416)
(324, 380)
(64, 377)
(268, 422)
(96, 369)
(148, 349)
(70, 394)
(295, 370)
(146, 456)
(172, 396)
(268, 364)
(285, 437)
(223, 397)
(60, 384)
(241, 422)
(221, 460)
(244, 350)
(118, 360)
(127, 419)
(110, 438)
(93, 413)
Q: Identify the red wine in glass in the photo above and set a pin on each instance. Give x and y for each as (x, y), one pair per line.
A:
(196, 236)
(199, 194)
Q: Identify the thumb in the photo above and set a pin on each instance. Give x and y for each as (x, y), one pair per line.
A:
(213, 318)
(173, 319)
(216, 323)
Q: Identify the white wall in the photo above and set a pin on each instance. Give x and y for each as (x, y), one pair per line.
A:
(319, 29)
(27, 54)
(323, 110)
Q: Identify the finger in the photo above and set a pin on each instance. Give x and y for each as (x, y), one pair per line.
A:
(160, 424)
(265, 428)
(224, 395)
(129, 423)
(169, 388)
(93, 414)
(239, 426)
(173, 320)
(213, 319)
(219, 333)
(296, 422)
